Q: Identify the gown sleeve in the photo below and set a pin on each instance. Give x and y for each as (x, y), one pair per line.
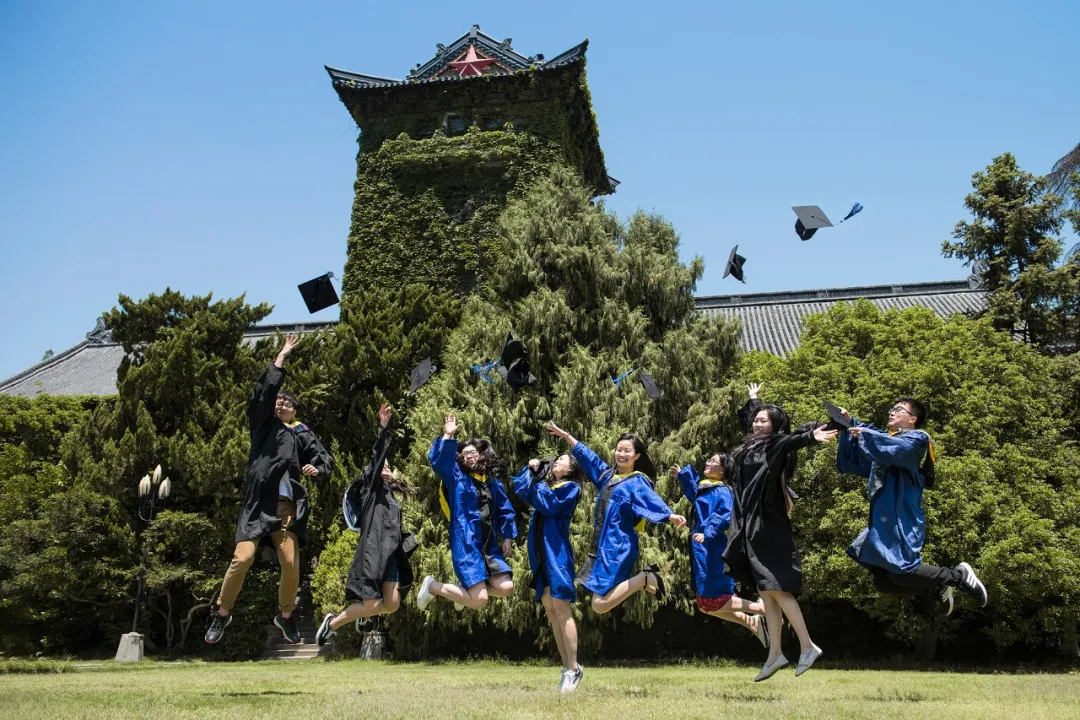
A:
(594, 467)
(522, 482)
(688, 480)
(260, 408)
(312, 452)
(850, 458)
(647, 504)
(443, 459)
(718, 522)
(504, 511)
(905, 450)
(554, 502)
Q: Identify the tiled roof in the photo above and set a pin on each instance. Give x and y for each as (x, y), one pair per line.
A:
(772, 322)
(506, 56)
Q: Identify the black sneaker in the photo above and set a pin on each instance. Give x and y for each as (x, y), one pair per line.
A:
(972, 585)
(287, 625)
(325, 632)
(218, 623)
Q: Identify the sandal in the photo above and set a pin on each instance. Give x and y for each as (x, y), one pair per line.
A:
(661, 588)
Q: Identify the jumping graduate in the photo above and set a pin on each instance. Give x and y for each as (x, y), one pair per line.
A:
(552, 488)
(625, 498)
(480, 515)
(898, 464)
(380, 570)
(711, 504)
(761, 548)
(275, 505)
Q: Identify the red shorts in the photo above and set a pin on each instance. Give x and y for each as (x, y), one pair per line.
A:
(713, 604)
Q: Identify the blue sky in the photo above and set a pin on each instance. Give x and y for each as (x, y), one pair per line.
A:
(200, 145)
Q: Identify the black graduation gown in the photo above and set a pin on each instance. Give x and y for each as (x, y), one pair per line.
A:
(761, 548)
(277, 451)
(381, 538)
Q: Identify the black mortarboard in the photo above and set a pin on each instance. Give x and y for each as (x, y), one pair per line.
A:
(650, 385)
(513, 364)
(319, 293)
(838, 418)
(734, 265)
(811, 218)
(421, 374)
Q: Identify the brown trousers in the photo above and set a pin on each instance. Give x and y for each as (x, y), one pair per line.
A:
(288, 552)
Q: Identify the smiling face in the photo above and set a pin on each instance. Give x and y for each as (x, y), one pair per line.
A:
(284, 409)
(762, 424)
(470, 457)
(625, 456)
(714, 467)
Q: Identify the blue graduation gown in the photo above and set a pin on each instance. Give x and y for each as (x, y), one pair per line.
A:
(551, 556)
(472, 562)
(631, 499)
(896, 530)
(711, 517)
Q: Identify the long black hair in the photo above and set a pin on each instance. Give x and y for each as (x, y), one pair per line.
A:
(489, 464)
(576, 474)
(781, 425)
(643, 464)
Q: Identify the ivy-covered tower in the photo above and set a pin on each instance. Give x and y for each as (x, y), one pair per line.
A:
(442, 151)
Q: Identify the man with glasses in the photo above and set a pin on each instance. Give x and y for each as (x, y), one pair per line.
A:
(899, 464)
(275, 505)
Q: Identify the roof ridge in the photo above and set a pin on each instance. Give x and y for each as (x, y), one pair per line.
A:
(51, 360)
(835, 294)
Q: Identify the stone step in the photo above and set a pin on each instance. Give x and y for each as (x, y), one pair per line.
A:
(306, 651)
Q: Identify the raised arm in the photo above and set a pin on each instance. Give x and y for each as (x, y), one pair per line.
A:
(750, 410)
(260, 407)
(554, 501)
(688, 480)
(850, 458)
(523, 481)
(595, 468)
(443, 453)
(905, 450)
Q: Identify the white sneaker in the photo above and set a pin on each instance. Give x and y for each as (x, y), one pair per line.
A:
(424, 596)
(562, 679)
(946, 596)
(360, 623)
(571, 679)
(972, 585)
(770, 668)
(807, 659)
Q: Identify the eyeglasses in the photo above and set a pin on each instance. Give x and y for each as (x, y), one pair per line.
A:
(899, 409)
(284, 403)
(469, 453)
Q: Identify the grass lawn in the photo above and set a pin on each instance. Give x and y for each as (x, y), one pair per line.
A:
(358, 689)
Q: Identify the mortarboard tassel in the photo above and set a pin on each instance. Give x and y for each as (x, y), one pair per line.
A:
(855, 210)
(486, 371)
(617, 382)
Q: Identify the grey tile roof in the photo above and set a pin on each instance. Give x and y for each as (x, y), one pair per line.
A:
(772, 322)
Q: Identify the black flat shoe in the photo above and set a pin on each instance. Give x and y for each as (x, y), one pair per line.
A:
(661, 588)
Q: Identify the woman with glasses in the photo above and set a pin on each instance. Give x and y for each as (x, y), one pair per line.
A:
(761, 548)
(898, 463)
(275, 507)
(481, 519)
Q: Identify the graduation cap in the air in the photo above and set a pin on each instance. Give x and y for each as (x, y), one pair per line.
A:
(646, 381)
(420, 375)
(513, 364)
(734, 265)
(837, 417)
(319, 293)
(811, 218)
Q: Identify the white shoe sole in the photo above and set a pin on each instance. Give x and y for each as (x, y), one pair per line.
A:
(424, 596)
(808, 663)
(769, 670)
(321, 635)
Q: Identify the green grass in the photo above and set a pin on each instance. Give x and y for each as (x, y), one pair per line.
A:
(358, 689)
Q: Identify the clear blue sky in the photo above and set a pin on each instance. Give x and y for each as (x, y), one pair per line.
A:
(201, 146)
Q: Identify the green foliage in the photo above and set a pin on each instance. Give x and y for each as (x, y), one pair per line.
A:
(1015, 234)
(1008, 492)
(591, 297)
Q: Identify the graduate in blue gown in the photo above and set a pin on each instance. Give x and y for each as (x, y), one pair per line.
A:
(481, 519)
(552, 487)
(625, 498)
(711, 506)
(898, 464)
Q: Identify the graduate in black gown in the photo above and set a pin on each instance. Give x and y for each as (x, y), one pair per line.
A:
(380, 570)
(761, 548)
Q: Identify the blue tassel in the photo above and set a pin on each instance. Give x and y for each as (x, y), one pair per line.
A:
(617, 382)
(486, 371)
(855, 210)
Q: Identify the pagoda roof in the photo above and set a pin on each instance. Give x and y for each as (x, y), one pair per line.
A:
(438, 69)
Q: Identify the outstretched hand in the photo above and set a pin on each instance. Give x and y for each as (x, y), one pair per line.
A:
(450, 428)
(287, 347)
(822, 435)
(385, 413)
(557, 431)
(753, 389)
(677, 520)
